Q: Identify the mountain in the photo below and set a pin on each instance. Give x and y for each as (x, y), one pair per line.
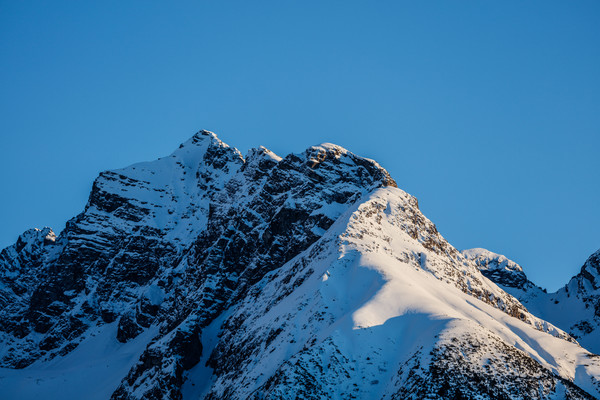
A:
(574, 307)
(209, 275)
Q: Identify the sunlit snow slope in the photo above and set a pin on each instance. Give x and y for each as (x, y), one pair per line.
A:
(371, 311)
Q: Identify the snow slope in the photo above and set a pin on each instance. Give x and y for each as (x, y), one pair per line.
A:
(360, 310)
(92, 371)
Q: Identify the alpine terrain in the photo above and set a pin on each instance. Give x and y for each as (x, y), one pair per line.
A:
(207, 274)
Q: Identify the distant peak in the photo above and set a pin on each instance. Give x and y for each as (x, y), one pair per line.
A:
(479, 252)
(486, 259)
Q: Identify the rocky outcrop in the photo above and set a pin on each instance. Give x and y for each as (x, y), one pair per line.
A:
(499, 269)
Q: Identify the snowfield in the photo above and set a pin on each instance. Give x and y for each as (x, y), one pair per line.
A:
(92, 371)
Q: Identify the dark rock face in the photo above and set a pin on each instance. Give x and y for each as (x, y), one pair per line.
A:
(128, 328)
(585, 287)
(590, 271)
(21, 261)
(462, 370)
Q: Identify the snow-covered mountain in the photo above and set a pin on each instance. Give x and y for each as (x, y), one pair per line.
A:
(209, 275)
(575, 307)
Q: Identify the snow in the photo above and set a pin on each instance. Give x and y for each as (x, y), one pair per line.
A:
(155, 294)
(92, 371)
(499, 261)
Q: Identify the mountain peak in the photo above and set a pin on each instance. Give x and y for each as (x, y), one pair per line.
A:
(203, 139)
(203, 134)
(338, 156)
(269, 277)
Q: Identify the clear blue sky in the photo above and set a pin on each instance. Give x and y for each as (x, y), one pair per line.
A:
(488, 112)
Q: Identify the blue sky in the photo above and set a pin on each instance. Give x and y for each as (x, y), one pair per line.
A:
(488, 112)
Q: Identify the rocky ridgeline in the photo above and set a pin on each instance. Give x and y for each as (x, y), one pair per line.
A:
(172, 243)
